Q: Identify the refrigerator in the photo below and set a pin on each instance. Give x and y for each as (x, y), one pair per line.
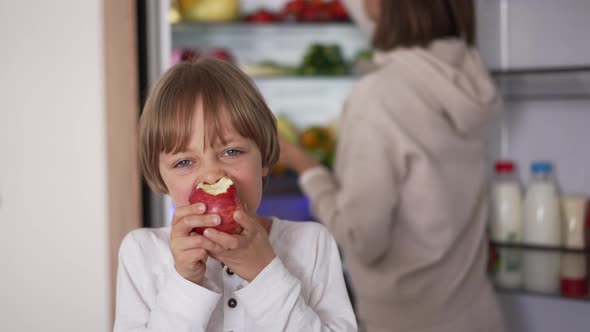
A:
(537, 51)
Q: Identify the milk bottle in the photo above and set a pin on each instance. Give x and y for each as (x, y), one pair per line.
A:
(506, 223)
(542, 226)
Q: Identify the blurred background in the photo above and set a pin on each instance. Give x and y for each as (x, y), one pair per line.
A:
(73, 76)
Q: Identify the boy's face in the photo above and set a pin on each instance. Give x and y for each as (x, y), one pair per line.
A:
(238, 158)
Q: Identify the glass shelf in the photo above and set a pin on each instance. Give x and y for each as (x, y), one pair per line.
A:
(550, 271)
(533, 247)
(282, 185)
(284, 43)
(243, 27)
(540, 84)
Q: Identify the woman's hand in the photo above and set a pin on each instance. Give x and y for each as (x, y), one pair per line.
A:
(189, 249)
(247, 253)
(295, 157)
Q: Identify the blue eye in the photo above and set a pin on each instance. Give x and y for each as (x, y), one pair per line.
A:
(183, 163)
(232, 153)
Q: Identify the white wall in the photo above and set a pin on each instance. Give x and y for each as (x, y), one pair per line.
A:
(53, 218)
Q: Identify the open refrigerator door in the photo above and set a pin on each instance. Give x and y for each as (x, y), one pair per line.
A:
(303, 57)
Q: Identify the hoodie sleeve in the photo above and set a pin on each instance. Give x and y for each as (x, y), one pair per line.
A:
(358, 202)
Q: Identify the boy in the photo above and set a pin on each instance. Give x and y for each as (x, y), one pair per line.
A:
(204, 121)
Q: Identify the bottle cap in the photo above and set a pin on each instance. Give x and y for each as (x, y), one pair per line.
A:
(541, 167)
(504, 166)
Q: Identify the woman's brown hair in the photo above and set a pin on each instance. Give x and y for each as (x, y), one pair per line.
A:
(225, 91)
(408, 23)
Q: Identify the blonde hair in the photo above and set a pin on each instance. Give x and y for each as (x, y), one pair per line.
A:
(165, 123)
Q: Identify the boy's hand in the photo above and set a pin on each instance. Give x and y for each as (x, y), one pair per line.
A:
(189, 249)
(247, 253)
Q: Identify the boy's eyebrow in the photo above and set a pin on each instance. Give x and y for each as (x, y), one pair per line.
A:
(221, 140)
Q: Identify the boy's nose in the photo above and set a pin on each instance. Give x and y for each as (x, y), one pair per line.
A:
(212, 174)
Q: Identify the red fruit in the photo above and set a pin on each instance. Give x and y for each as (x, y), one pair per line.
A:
(294, 7)
(189, 54)
(221, 198)
(261, 16)
(221, 53)
(316, 13)
(338, 11)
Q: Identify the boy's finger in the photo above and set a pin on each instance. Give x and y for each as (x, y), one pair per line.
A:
(197, 255)
(195, 242)
(188, 223)
(182, 211)
(244, 220)
(225, 240)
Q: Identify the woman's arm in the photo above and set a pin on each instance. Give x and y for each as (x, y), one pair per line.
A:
(357, 202)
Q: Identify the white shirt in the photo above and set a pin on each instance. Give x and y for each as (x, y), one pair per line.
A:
(302, 289)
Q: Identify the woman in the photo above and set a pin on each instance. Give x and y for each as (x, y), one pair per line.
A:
(407, 201)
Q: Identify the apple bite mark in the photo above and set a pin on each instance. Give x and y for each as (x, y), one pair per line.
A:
(219, 187)
(221, 198)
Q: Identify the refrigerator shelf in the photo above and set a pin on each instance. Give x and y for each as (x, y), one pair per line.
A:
(284, 185)
(550, 271)
(283, 43)
(534, 247)
(244, 27)
(522, 291)
(545, 83)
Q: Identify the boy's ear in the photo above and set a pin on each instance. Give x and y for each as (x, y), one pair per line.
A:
(265, 171)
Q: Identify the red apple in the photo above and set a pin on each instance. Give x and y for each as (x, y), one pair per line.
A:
(221, 198)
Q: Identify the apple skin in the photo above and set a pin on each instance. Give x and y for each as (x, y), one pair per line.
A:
(223, 204)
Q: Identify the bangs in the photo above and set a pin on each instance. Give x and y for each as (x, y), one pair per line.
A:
(175, 132)
(176, 129)
(214, 115)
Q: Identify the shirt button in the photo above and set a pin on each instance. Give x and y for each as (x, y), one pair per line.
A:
(232, 303)
(229, 272)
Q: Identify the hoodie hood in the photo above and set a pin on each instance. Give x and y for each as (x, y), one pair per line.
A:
(454, 75)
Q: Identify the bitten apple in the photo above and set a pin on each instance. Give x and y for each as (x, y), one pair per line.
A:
(221, 198)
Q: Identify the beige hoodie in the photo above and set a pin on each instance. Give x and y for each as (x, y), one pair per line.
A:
(407, 201)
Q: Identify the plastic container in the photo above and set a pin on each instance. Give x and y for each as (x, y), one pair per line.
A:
(573, 265)
(542, 226)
